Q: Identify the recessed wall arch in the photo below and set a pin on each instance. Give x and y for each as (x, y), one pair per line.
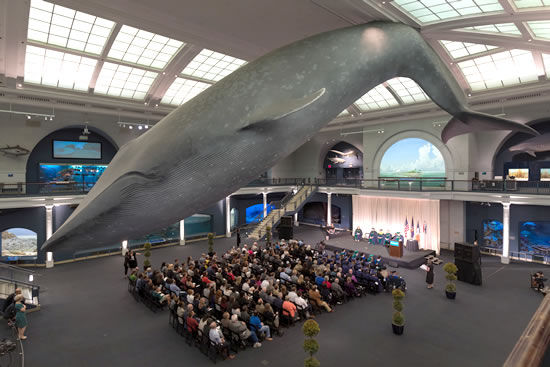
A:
(391, 140)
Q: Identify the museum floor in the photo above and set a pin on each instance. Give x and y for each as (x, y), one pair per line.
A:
(89, 319)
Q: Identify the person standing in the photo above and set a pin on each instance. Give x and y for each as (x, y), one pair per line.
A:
(126, 262)
(20, 317)
(132, 261)
(430, 274)
(238, 237)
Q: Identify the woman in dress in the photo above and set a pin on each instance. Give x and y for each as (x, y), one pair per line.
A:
(20, 317)
(132, 261)
(430, 274)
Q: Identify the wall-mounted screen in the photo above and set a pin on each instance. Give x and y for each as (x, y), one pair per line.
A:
(18, 242)
(492, 234)
(534, 237)
(254, 212)
(76, 149)
(84, 176)
(545, 174)
(520, 174)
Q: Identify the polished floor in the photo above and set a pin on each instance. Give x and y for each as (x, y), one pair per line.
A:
(89, 319)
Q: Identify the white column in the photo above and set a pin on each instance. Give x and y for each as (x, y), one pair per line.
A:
(124, 247)
(49, 221)
(265, 203)
(182, 232)
(49, 259)
(296, 224)
(329, 208)
(227, 217)
(505, 259)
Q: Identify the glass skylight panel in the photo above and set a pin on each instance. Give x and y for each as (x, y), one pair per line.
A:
(343, 113)
(212, 66)
(499, 70)
(541, 29)
(376, 99)
(503, 28)
(463, 49)
(183, 90)
(427, 11)
(143, 48)
(58, 69)
(124, 81)
(408, 90)
(531, 3)
(67, 28)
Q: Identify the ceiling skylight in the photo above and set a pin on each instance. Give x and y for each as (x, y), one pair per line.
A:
(143, 48)
(503, 28)
(124, 81)
(212, 66)
(376, 99)
(541, 29)
(531, 3)
(183, 90)
(427, 11)
(67, 28)
(499, 70)
(546, 60)
(407, 90)
(463, 49)
(58, 69)
(343, 113)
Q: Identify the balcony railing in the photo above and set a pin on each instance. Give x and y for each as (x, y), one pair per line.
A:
(434, 184)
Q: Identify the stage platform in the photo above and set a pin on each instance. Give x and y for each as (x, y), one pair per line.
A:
(410, 259)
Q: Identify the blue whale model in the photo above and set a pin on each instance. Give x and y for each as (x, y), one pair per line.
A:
(534, 145)
(228, 135)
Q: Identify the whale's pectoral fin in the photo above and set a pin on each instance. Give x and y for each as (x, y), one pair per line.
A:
(530, 152)
(281, 109)
(470, 122)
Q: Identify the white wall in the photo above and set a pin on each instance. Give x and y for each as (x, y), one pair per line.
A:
(452, 215)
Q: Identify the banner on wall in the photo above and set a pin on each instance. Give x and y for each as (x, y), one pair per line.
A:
(395, 213)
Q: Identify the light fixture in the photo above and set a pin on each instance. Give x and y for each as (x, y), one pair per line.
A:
(130, 127)
(146, 127)
(31, 277)
(28, 117)
(156, 105)
(140, 127)
(19, 85)
(469, 94)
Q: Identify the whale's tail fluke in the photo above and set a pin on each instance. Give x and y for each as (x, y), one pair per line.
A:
(469, 122)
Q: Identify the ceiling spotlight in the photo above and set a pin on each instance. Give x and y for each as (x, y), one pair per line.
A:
(19, 85)
(28, 117)
(45, 118)
(146, 127)
(131, 127)
(529, 40)
(145, 103)
(51, 118)
(383, 2)
(156, 105)
(469, 94)
(123, 125)
(451, 63)
(163, 73)
(140, 127)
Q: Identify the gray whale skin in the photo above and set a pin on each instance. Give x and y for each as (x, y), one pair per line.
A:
(228, 135)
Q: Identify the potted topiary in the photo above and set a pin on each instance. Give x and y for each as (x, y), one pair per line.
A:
(268, 235)
(398, 320)
(147, 254)
(211, 244)
(450, 288)
(311, 329)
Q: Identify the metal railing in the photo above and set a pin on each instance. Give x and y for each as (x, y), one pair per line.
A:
(17, 356)
(424, 184)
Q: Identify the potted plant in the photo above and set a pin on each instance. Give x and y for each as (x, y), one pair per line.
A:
(268, 235)
(450, 288)
(211, 244)
(147, 254)
(311, 346)
(398, 320)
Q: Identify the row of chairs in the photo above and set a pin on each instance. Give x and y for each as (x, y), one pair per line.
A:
(147, 298)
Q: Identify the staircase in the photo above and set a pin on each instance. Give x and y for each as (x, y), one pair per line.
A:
(290, 204)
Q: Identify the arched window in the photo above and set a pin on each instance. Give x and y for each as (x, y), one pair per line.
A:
(18, 242)
(412, 157)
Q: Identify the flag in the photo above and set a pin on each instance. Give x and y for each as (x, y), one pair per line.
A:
(425, 227)
(412, 227)
(406, 227)
(418, 228)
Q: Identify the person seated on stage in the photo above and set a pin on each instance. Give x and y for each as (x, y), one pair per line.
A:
(398, 237)
(381, 239)
(358, 235)
(373, 236)
(387, 238)
(331, 229)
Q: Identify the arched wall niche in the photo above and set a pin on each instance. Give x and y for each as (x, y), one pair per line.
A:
(343, 161)
(434, 140)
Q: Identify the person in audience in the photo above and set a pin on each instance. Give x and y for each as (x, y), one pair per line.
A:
(20, 317)
(159, 296)
(217, 338)
(192, 323)
(337, 290)
(315, 297)
(289, 309)
(239, 327)
(259, 326)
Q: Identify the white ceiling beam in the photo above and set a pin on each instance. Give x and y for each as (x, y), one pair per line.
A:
(393, 93)
(481, 54)
(490, 39)
(172, 70)
(451, 64)
(523, 16)
(14, 21)
(539, 63)
(103, 56)
(354, 110)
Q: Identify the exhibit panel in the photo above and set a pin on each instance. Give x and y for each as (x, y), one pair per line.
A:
(414, 218)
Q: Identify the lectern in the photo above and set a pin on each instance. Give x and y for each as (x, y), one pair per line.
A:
(396, 248)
